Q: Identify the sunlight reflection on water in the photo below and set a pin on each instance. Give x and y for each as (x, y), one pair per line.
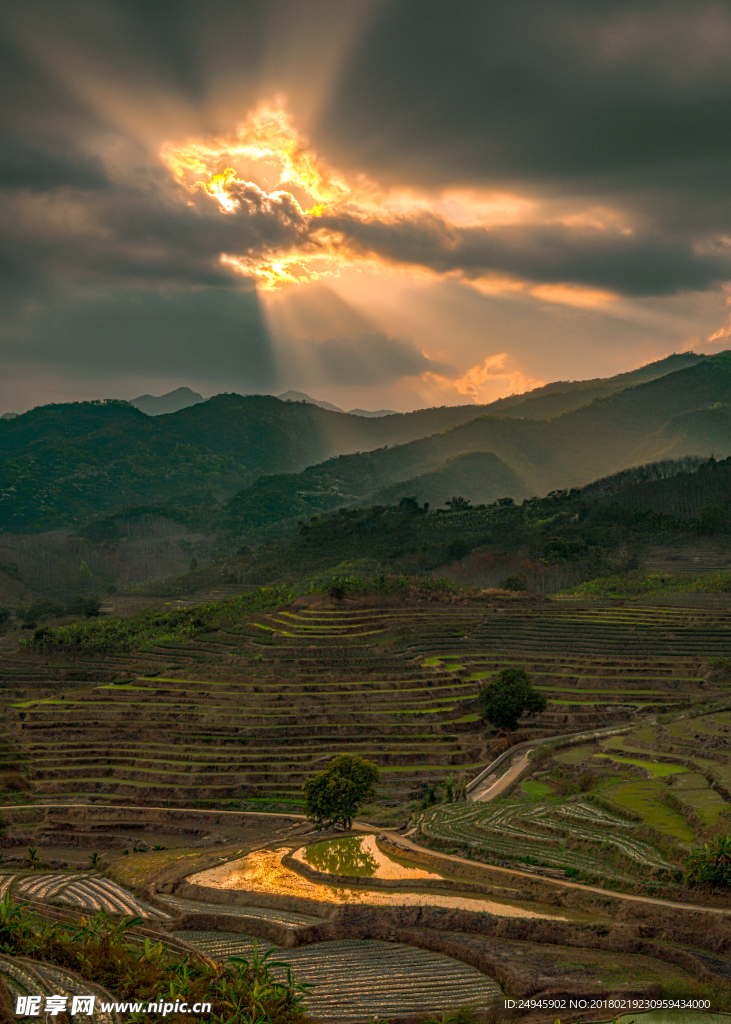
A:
(262, 871)
(359, 856)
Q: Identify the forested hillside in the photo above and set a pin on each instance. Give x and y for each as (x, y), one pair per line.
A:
(681, 489)
(553, 399)
(557, 539)
(480, 474)
(63, 465)
(567, 451)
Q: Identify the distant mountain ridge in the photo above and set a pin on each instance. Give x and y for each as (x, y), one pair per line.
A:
(544, 402)
(173, 401)
(254, 463)
(600, 438)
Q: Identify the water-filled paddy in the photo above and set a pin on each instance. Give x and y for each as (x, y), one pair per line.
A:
(263, 872)
(358, 856)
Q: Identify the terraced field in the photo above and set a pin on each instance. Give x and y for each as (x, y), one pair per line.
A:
(577, 836)
(242, 717)
(31, 978)
(87, 892)
(353, 979)
(363, 979)
(648, 795)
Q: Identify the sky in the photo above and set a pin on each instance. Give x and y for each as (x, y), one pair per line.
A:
(385, 204)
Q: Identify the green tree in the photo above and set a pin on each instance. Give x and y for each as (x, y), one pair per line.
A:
(510, 696)
(333, 796)
(409, 506)
(713, 519)
(710, 866)
(515, 583)
(193, 564)
(459, 548)
(457, 503)
(337, 588)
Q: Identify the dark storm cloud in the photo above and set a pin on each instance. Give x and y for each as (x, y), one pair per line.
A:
(43, 164)
(617, 95)
(590, 91)
(208, 334)
(643, 263)
(373, 359)
(604, 102)
(155, 233)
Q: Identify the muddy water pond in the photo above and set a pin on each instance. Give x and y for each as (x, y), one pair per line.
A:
(262, 871)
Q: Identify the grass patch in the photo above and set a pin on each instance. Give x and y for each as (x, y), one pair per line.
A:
(644, 798)
(656, 769)
(537, 790)
(576, 755)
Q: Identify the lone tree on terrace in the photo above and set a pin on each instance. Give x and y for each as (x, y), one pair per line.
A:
(333, 796)
(510, 696)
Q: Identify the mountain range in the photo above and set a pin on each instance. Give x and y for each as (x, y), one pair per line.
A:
(252, 464)
(182, 398)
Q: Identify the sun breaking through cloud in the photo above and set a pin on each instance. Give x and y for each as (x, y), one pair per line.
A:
(300, 220)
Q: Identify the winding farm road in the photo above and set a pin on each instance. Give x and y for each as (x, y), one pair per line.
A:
(489, 791)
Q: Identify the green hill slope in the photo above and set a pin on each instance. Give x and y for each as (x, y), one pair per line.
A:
(562, 396)
(481, 474)
(702, 431)
(567, 451)
(62, 465)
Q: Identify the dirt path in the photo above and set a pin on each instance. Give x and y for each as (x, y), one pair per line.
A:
(364, 826)
(488, 791)
(552, 881)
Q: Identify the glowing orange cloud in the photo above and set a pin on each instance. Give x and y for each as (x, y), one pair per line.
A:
(565, 294)
(308, 222)
(572, 295)
(486, 381)
(266, 137)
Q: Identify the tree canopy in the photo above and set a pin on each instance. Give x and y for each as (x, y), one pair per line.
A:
(333, 796)
(710, 866)
(510, 696)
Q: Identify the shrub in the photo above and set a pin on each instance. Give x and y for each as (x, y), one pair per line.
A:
(337, 588)
(120, 636)
(100, 950)
(458, 503)
(710, 866)
(515, 583)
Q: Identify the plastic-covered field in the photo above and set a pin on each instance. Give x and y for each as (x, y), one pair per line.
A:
(79, 891)
(623, 807)
(25, 977)
(360, 979)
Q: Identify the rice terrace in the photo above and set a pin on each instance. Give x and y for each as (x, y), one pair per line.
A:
(390, 718)
(164, 782)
